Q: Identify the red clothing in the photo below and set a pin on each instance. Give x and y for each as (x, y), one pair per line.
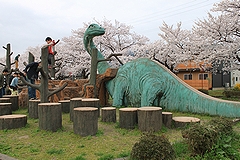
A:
(50, 50)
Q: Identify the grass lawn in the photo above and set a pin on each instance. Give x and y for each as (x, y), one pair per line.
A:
(30, 143)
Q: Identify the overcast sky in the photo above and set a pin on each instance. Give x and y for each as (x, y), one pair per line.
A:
(25, 23)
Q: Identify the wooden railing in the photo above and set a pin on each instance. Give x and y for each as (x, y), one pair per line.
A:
(199, 84)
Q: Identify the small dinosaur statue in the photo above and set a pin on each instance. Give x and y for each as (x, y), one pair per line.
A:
(143, 82)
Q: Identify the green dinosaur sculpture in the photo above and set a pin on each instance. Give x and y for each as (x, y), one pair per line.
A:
(143, 82)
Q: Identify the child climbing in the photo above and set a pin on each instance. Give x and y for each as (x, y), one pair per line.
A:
(51, 50)
(16, 61)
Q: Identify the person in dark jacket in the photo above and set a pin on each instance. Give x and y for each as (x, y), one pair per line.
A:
(3, 81)
(31, 72)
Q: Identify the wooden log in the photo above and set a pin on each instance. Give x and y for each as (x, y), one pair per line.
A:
(65, 104)
(33, 108)
(150, 119)
(181, 122)
(108, 114)
(91, 102)
(13, 121)
(74, 103)
(128, 118)
(85, 121)
(5, 108)
(167, 119)
(13, 100)
(50, 116)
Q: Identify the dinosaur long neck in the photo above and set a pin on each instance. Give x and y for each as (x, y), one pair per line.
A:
(89, 45)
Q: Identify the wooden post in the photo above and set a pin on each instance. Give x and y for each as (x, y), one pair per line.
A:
(167, 119)
(128, 118)
(108, 114)
(85, 121)
(33, 108)
(13, 121)
(50, 116)
(65, 104)
(5, 108)
(93, 69)
(74, 103)
(13, 100)
(150, 119)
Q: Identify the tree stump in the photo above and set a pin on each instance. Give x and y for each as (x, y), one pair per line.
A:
(85, 121)
(108, 114)
(14, 101)
(5, 109)
(74, 103)
(33, 108)
(65, 104)
(13, 121)
(181, 122)
(5, 100)
(167, 119)
(50, 116)
(128, 118)
(150, 118)
(91, 102)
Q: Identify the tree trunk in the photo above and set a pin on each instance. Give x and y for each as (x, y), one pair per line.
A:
(31, 58)
(5, 100)
(5, 108)
(14, 101)
(91, 102)
(13, 121)
(85, 122)
(33, 108)
(65, 104)
(128, 118)
(50, 116)
(167, 119)
(44, 79)
(108, 114)
(150, 119)
(74, 103)
(181, 122)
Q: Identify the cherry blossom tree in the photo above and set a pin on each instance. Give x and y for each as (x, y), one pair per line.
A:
(218, 36)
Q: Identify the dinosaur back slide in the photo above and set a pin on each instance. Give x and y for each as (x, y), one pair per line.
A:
(143, 82)
(182, 97)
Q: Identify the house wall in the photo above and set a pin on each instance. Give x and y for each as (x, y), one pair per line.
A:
(195, 82)
(235, 78)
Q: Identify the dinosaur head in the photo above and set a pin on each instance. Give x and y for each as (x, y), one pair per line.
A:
(94, 30)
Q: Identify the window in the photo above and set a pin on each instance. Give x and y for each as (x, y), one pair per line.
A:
(236, 78)
(187, 76)
(203, 76)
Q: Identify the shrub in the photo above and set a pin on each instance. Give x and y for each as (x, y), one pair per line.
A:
(154, 147)
(231, 93)
(237, 87)
(204, 91)
(200, 139)
(222, 126)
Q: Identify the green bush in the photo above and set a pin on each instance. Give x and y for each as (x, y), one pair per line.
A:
(231, 93)
(200, 139)
(153, 147)
(222, 126)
